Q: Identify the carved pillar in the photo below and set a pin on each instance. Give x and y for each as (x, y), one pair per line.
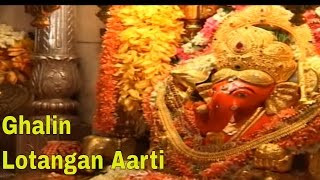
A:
(55, 78)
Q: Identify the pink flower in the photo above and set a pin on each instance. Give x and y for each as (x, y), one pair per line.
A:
(182, 55)
(209, 28)
(204, 37)
(313, 22)
(309, 15)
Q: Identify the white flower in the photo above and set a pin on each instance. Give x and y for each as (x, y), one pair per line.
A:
(318, 11)
(8, 36)
(199, 40)
(220, 10)
(220, 15)
(153, 98)
(187, 48)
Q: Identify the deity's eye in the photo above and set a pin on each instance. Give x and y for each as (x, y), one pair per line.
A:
(241, 93)
(224, 88)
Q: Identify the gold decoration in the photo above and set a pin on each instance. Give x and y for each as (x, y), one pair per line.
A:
(198, 11)
(284, 96)
(195, 16)
(251, 47)
(313, 64)
(41, 14)
(205, 91)
(195, 70)
(311, 79)
(178, 144)
(272, 157)
(263, 174)
(251, 76)
(215, 138)
(249, 123)
(228, 40)
(107, 146)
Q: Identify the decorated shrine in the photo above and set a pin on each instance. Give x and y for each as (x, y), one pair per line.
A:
(182, 92)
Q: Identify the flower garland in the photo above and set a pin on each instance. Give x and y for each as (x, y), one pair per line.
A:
(62, 148)
(148, 42)
(105, 118)
(312, 18)
(201, 43)
(15, 55)
(136, 51)
(220, 169)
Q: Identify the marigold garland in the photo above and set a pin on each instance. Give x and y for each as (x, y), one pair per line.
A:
(149, 40)
(147, 109)
(307, 136)
(105, 118)
(180, 164)
(219, 169)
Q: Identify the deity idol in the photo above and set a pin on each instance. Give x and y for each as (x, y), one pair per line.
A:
(251, 104)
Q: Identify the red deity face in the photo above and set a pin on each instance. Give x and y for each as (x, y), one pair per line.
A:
(233, 99)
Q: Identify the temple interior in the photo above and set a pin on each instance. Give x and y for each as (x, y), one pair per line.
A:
(190, 92)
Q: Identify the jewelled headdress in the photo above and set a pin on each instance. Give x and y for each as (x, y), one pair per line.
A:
(247, 40)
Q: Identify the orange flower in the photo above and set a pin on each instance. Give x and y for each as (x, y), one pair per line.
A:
(105, 118)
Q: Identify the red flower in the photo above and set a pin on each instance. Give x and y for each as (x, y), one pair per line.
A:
(313, 21)
(105, 117)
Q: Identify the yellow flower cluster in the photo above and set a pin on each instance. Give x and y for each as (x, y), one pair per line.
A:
(149, 40)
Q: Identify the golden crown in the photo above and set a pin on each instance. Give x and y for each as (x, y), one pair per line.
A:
(251, 47)
(249, 40)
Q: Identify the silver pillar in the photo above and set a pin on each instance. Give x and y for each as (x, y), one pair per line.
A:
(55, 76)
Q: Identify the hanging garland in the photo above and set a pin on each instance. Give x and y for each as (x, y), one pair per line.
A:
(149, 40)
(105, 117)
(137, 50)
